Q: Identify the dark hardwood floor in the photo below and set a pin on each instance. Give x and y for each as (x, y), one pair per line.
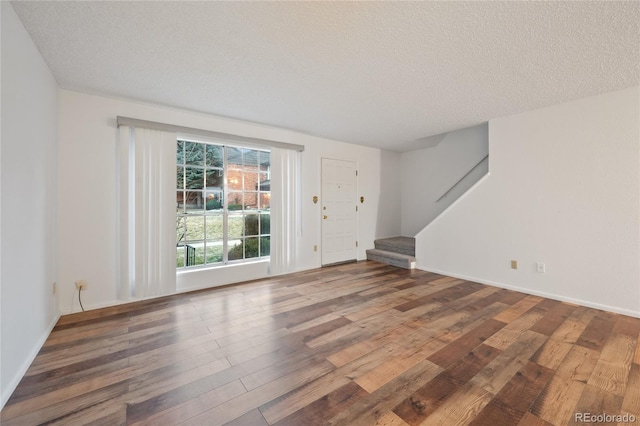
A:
(356, 344)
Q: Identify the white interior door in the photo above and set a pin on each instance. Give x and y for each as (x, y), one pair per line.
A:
(339, 216)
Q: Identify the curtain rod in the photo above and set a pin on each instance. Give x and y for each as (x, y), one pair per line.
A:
(134, 122)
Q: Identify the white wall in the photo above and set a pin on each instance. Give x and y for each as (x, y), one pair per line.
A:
(28, 221)
(564, 190)
(390, 181)
(87, 193)
(428, 173)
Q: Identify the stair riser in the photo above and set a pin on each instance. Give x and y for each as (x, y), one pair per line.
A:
(400, 263)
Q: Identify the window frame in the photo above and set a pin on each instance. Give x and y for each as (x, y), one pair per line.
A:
(182, 214)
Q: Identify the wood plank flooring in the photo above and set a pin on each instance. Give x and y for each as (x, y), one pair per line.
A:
(355, 344)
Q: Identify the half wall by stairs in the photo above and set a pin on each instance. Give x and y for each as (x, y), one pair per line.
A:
(396, 251)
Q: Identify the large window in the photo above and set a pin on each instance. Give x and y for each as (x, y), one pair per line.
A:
(223, 204)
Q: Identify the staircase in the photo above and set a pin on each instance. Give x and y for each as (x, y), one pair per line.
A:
(396, 251)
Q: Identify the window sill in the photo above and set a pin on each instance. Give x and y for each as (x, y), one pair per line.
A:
(214, 276)
(219, 266)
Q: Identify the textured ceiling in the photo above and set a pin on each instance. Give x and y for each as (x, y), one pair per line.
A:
(384, 74)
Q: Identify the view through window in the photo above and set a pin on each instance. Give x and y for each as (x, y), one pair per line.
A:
(223, 204)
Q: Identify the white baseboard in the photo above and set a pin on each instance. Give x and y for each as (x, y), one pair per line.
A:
(572, 300)
(6, 393)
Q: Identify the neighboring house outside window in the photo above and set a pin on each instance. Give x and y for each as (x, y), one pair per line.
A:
(223, 204)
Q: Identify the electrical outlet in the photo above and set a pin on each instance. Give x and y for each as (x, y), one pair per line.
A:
(514, 264)
(540, 267)
(81, 285)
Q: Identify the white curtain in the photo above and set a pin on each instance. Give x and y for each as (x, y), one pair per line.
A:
(285, 209)
(147, 220)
